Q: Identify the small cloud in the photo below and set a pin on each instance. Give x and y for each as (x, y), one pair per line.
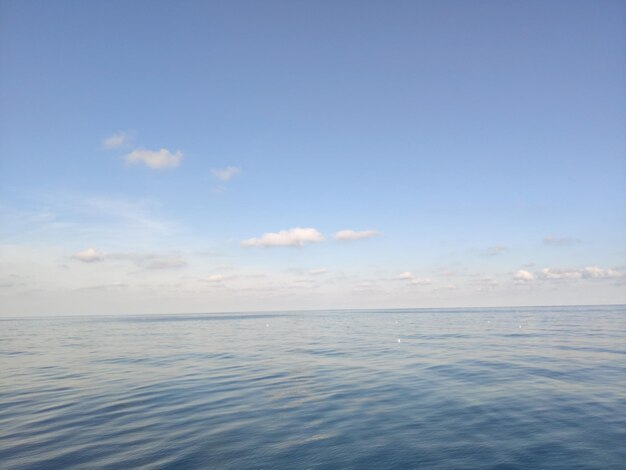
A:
(548, 273)
(317, 272)
(293, 237)
(225, 174)
(415, 281)
(90, 255)
(117, 140)
(594, 272)
(347, 235)
(156, 160)
(214, 278)
(552, 274)
(495, 250)
(523, 276)
(560, 241)
(167, 263)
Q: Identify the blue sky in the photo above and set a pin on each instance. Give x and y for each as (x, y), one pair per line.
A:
(475, 150)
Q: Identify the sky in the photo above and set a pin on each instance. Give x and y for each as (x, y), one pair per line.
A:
(206, 156)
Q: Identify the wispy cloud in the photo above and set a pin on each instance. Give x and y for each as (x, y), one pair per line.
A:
(141, 260)
(447, 272)
(225, 174)
(293, 237)
(560, 241)
(594, 272)
(167, 263)
(105, 287)
(415, 281)
(317, 272)
(348, 235)
(589, 272)
(117, 140)
(495, 250)
(485, 284)
(155, 159)
(138, 214)
(90, 255)
(561, 274)
(551, 273)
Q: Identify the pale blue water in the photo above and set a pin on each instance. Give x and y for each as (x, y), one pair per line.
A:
(476, 388)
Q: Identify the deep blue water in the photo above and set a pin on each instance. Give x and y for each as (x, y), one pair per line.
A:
(465, 388)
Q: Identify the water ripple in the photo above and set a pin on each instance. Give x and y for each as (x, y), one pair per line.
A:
(495, 388)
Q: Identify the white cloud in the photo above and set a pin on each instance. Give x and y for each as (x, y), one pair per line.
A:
(595, 272)
(316, 272)
(154, 159)
(119, 139)
(523, 276)
(293, 237)
(214, 278)
(89, 255)
(560, 241)
(590, 272)
(224, 174)
(416, 281)
(346, 235)
(549, 273)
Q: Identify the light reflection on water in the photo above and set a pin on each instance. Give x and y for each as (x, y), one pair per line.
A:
(490, 388)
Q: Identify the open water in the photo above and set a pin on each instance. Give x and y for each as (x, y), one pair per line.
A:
(514, 388)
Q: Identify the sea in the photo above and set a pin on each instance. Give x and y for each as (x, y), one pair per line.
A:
(479, 388)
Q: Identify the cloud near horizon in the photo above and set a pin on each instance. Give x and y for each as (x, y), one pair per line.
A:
(415, 281)
(292, 237)
(548, 274)
(523, 276)
(157, 160)
(589, 272)
(167, 263)
(225, 174)
(90, 255)
(348, 235)
(151, 261)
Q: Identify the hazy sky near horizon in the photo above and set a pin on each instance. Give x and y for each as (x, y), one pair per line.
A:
(198, 156)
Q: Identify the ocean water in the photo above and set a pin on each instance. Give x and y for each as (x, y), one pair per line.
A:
(511, 388)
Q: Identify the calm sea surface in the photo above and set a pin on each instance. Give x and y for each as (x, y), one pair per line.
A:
(465, 388)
